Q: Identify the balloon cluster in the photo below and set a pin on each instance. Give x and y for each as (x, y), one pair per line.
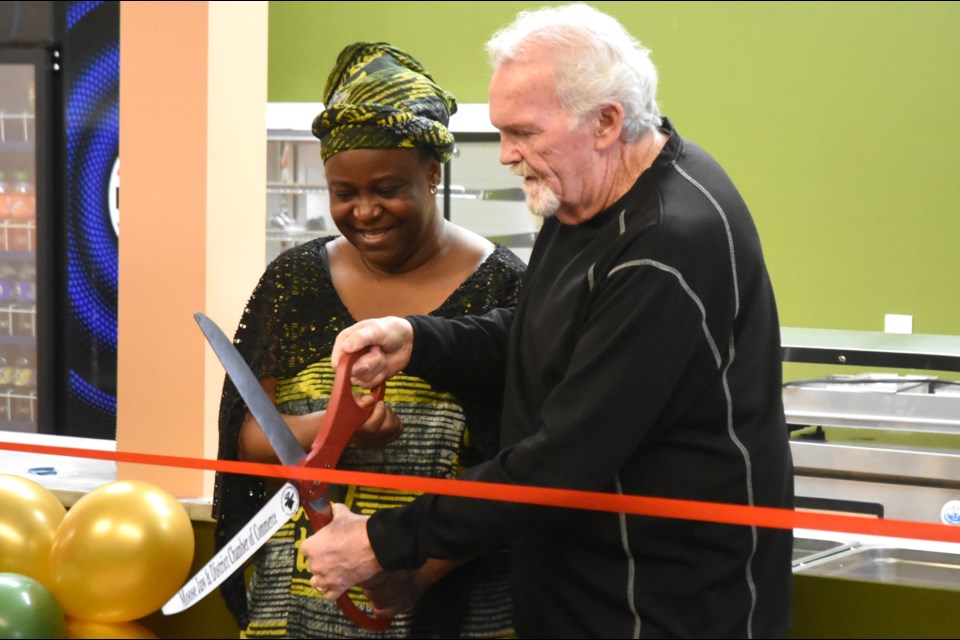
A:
(116, 556)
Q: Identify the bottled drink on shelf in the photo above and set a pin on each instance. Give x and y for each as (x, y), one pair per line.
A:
(23, 408)
(4, 193)
(22, 211)
(23, 371)
(24, 320)
(4, 211)
(25, 283)
(6, 385)
(6, 370)
(23, 196)
(6, 319)
(8, 282)
(22, 395)
(23, 309)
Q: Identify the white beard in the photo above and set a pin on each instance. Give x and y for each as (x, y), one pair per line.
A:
(541, 200)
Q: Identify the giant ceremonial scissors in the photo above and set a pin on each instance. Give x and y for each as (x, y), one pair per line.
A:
(341, 420)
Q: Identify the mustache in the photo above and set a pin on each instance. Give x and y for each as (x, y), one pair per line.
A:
(523, 170)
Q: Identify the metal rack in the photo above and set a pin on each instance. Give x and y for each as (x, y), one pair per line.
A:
(878, 445)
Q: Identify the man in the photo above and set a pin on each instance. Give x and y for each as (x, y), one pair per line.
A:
(643, 358)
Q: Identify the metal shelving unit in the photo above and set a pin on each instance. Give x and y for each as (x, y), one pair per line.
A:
(876, 444)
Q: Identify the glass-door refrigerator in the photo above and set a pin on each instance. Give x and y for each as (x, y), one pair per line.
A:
(27, 188)
(59, 213)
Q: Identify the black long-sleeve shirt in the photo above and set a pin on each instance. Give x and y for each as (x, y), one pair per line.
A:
(644, 359)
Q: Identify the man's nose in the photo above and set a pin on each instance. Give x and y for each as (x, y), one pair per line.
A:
(509, 154)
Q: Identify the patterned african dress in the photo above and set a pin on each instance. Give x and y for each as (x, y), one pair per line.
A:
(287, 332)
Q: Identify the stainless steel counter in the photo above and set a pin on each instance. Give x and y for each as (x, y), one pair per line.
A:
(896, 561)
(876, 445)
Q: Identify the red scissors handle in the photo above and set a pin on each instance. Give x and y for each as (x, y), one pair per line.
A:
(344, 416)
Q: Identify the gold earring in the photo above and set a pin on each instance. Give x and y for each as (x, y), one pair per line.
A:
(433, 189)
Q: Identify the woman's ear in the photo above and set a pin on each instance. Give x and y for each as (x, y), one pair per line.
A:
(434, 172)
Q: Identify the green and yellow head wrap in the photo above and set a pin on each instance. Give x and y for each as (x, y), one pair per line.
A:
(378, 97)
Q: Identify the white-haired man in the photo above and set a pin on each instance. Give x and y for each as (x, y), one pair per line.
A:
(643, 358)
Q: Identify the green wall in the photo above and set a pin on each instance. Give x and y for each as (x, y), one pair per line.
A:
(838, 120)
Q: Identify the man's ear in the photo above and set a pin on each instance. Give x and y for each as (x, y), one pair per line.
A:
(609, 124)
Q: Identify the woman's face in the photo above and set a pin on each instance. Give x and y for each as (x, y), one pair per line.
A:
(380, 201)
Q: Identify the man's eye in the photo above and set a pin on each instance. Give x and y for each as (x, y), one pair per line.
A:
(343, 196)
(388, 192)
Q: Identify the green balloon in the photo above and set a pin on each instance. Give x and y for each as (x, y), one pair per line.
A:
(28, 609)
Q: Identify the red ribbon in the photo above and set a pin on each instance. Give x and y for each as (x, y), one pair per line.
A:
(589, 500)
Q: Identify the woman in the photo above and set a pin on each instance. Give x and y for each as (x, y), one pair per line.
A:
(383, 140)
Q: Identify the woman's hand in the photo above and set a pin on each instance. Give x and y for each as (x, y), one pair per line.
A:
(381, 428)
(392, 592)
(253, 444)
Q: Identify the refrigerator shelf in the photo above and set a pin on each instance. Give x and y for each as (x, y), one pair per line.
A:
(18, 127)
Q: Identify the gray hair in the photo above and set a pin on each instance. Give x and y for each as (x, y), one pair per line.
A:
(597, 62)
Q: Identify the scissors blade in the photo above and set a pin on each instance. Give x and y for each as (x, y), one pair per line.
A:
(324, 453)
(284, 443)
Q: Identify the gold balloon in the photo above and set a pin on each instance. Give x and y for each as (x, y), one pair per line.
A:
(121, 552)
(29, 517)
(87, 629)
